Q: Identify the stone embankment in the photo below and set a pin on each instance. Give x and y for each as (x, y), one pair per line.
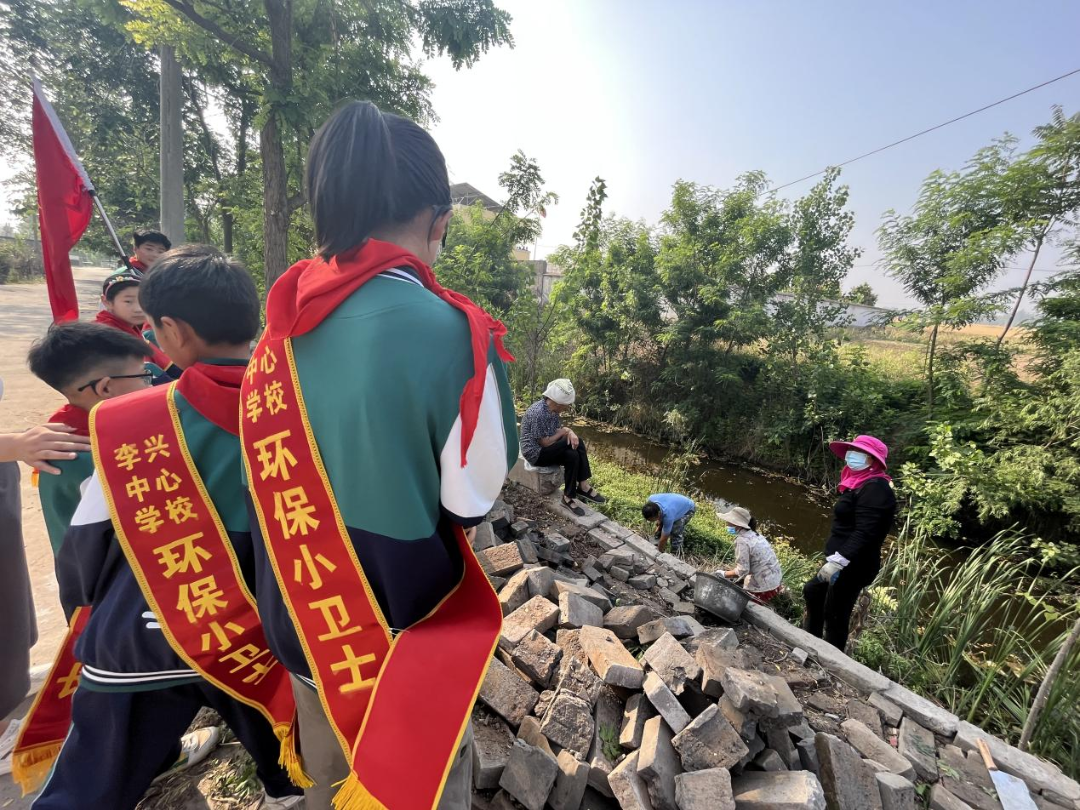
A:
(607, 691)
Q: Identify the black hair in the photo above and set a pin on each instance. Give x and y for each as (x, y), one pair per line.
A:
(367, 169)
(117, 288)
(75, 348)
(144, 235)
(753, 524)
(200, 285)
(650, 511)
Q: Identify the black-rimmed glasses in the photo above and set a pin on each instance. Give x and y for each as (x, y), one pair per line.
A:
(148, 376)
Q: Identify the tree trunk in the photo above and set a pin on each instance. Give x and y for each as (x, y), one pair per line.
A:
(930, 370)
(275, 180)
(1043, 695)
(1023, 287)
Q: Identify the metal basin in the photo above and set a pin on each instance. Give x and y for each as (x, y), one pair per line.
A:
(720, 597)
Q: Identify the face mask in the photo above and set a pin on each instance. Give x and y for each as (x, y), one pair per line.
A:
(856, 461)
(732, 530)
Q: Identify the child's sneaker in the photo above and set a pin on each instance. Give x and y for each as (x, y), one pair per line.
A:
(270, 803)
(7, 745)
(194, 748)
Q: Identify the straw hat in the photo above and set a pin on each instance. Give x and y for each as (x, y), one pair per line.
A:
(873, 447)
(736, 517)
(561, 392)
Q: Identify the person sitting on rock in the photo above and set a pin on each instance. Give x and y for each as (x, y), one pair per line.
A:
(756, 567)
(546, 443)
(671, 512)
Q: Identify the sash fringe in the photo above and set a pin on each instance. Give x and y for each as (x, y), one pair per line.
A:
(29, 769)
(289, 758)
(354, 796)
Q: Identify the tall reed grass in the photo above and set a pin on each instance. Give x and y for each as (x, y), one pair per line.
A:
(977, 634)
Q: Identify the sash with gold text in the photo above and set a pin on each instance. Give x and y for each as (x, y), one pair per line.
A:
(46, 724)
(399, 705)
(181, 555)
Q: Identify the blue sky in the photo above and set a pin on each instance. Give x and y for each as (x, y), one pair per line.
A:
(644, 93)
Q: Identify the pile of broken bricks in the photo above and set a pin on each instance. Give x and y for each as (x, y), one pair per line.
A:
(593, 701)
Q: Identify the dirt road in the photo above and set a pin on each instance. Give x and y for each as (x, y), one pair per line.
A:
(24, 316)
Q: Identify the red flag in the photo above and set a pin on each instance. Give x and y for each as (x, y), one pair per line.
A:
(64, 205)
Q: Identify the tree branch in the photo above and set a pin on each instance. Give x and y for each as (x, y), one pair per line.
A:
(233, 41)
(296, 201)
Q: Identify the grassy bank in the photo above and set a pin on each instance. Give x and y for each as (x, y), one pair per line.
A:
(970, 635)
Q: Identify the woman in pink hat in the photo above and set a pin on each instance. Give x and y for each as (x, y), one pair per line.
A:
(862, 517)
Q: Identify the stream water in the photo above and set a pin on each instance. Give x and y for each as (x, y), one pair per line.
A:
(789, 507)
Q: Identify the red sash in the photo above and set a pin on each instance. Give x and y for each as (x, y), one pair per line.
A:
(398, 705)
(46, 724)
(182, 557)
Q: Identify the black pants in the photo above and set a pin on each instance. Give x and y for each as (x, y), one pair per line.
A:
(120, 741)
(829, 606)
(575, 463)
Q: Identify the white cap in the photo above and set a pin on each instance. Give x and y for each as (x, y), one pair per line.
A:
(561, 392)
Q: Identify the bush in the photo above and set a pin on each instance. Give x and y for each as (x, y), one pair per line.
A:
(19, 262)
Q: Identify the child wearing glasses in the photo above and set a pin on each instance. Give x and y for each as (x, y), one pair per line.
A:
(155, 569)
(87, 363)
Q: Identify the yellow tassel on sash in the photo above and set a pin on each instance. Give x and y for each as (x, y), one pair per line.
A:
(30, 768)
(354, 796)
(289, 757)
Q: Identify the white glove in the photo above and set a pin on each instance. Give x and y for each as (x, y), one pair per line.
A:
(829, 572)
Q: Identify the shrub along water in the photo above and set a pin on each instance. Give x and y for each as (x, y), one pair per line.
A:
(978, 635)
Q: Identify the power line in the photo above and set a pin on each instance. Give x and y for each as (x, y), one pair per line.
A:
(931, 129)
(1003, 267)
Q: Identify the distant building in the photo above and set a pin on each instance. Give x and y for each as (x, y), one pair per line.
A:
(546, 276)
(466, 195)
(857, 316)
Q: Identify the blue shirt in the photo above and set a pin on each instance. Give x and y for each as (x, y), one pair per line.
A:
(672, 507)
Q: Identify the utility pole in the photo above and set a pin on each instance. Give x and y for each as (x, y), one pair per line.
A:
(172, 147)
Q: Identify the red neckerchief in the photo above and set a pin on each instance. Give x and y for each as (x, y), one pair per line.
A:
(76, 418)
(137, 265)
(214, 391)
(109, 319)
(311, 289)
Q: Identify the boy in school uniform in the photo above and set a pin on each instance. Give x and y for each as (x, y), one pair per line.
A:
(88, 363)
(148, 246)
(160, 549)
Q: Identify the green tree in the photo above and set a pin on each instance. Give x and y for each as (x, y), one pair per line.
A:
(861, 294)
(952, 246)
(301, 57)
(719, 262)
(104, 89)
(816, 265)
(1041, 192)
(479, 256)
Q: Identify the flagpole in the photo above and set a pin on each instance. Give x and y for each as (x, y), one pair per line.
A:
(109, 227)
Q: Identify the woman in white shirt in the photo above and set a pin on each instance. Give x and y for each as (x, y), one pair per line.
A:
(756, 567)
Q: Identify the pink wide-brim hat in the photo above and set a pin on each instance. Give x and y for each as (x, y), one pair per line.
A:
(874, 447)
